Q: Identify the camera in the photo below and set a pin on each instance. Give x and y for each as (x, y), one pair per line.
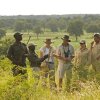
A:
(67, 53)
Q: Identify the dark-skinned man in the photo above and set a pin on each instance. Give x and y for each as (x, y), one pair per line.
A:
(33, 58)
(17, 54)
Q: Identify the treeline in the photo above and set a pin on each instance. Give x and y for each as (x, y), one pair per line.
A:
(74, 24)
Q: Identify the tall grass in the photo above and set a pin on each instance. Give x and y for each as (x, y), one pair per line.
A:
(28, 87)
(25, 87)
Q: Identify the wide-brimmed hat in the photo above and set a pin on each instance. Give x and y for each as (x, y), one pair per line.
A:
(96, 34)
(82, 42)
(17, 34)
(66, 37)
(48, 40)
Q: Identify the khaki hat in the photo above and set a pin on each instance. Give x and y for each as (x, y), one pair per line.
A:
(17, 34)
(82, 42)
(48, 40)
(96, 34)
(66, 37)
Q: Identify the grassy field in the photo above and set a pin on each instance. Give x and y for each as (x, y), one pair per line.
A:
(25, 87)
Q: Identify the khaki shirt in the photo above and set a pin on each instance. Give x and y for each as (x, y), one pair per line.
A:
(95, 52)
(82, 58)
(60, 52)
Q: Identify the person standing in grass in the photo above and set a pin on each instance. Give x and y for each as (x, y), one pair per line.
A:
(95, 55)
(82, 61)
(17, 54)
(33, 58)
(49, 69)
(65, 54)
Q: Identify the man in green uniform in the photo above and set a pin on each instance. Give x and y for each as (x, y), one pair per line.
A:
(17, 54)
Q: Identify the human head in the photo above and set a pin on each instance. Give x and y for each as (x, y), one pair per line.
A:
(65, 39)
(83, 44)
(31, 47)
(48, 41)
(97, 37)
(18, 36)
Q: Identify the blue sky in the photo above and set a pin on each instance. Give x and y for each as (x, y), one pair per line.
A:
(49, 7)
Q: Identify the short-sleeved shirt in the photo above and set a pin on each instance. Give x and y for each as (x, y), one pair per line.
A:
(82, 57)
(16, 53)
(34, 60)
(95, 52)
(61, 49)
(46, 51)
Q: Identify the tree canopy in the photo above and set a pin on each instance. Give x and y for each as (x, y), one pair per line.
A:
(53, 23)
(75, 28)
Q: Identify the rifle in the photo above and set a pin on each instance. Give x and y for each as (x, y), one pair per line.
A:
(28, 39)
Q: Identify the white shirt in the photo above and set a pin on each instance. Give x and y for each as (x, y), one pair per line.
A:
(49, 51)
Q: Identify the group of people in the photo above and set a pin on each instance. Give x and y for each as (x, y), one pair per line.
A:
(65, 53)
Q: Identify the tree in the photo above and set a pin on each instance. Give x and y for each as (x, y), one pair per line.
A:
(37, 30)
(53, 24)
(62, 24)
(19, 26)
(75, 27)
(2, 33)
(53, 28)
(28, 27)
(43, 25)
(93, 28)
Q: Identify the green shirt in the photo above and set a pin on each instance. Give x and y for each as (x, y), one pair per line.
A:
(16, 53)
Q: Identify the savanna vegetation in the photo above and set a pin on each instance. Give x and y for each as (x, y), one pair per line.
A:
(37, 28)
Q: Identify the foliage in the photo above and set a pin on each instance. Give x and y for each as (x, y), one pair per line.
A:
(38, 31)
(28, 27)
(75, 28)
(93, 28)
(2, 33)
(4, 45)
(25, 87)
(19, 26)
(55, 23)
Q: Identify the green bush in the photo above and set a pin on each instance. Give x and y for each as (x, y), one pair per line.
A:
(26, 88)
(4, 45)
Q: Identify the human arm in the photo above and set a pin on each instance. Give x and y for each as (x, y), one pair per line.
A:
(59, 54)
(10, 53)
